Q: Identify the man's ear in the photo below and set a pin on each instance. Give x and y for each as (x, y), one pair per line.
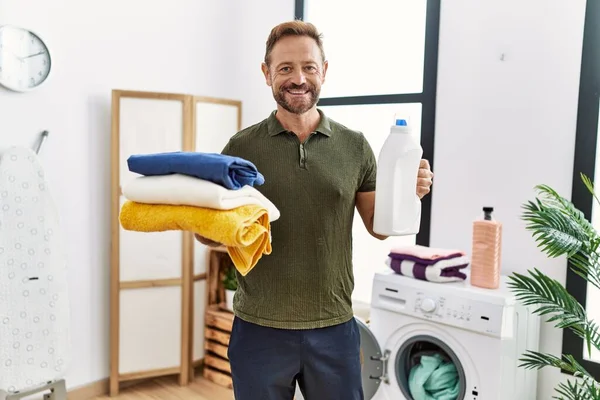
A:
(325, 65)
(265, 70)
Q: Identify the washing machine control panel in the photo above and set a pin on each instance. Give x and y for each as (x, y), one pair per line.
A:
(436, 307)
(459, 311)
(453, 308)
(430, 306)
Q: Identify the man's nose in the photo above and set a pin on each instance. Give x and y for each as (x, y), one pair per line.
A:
(298, 78)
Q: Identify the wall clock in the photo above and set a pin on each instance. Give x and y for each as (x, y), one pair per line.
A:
(24, 59)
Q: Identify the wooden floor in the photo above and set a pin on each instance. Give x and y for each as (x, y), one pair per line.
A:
(169, 389)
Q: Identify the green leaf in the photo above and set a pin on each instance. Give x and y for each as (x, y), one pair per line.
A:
(229, 278)
(587, 267)
(585, 388)
(554, 230)
(548, 297)
(589, 185)
(537, 360)
(553, 200)
(579, 390)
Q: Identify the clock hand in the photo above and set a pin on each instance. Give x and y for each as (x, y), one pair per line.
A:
(33, 55)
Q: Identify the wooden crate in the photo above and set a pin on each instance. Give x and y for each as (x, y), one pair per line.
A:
(217, 322)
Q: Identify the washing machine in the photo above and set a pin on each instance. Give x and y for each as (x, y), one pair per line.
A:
(482, 332)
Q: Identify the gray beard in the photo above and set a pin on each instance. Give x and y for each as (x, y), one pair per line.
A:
(300, 108)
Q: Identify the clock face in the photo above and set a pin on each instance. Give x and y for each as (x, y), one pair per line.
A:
(24, 59)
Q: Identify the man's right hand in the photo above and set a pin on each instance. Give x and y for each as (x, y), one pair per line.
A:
(206, 241)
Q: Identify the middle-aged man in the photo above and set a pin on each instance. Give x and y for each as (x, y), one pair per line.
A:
(293, 312)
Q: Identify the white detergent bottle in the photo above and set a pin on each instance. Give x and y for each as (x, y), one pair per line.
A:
(397, 206)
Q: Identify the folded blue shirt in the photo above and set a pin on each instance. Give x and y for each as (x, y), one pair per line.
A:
(227, 171)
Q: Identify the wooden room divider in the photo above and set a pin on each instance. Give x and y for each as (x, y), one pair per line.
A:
(158, 280)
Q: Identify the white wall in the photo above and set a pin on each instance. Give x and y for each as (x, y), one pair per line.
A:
(175, 46)
(505, 126)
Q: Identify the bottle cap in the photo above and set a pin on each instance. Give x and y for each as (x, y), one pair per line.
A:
(488, 209)
(401, 122)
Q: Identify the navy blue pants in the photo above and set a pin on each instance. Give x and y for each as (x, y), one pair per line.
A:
(266, 362)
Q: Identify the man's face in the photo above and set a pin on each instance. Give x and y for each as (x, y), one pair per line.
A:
(296, 73)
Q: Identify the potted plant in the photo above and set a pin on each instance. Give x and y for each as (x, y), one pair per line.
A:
(559, 228)
(230, 285)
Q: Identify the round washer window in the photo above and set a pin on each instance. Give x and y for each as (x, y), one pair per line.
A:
(409, 357)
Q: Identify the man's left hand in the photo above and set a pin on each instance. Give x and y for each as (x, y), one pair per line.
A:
(424, 179)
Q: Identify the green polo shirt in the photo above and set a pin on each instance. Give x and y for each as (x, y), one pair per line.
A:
(307, 280)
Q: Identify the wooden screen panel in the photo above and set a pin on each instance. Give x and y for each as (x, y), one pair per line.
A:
(151, 272)
(149, 125)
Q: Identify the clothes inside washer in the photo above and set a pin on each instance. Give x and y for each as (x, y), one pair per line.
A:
(427, 348)
(415, 359)
(433, 376)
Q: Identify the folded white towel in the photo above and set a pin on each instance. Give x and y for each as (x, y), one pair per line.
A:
(179, 189)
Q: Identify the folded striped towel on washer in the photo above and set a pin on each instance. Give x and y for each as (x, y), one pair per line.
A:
(429, 264)
(441, 271)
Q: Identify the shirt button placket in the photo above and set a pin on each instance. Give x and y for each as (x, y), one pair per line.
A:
(302, 156)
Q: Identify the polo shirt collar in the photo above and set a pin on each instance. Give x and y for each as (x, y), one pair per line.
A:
(275, 127)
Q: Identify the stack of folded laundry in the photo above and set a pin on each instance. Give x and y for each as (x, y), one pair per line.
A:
(210, 194)
(429, 264)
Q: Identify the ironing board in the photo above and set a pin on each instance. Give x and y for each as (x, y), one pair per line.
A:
(34, 304)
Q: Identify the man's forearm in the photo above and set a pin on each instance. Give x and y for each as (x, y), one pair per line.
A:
(365, 204)
(370, 228)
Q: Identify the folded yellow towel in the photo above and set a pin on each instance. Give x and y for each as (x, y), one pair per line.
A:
(245, 230)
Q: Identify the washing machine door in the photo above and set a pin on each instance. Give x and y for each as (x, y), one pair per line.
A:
(387, 368)
(371, 360)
